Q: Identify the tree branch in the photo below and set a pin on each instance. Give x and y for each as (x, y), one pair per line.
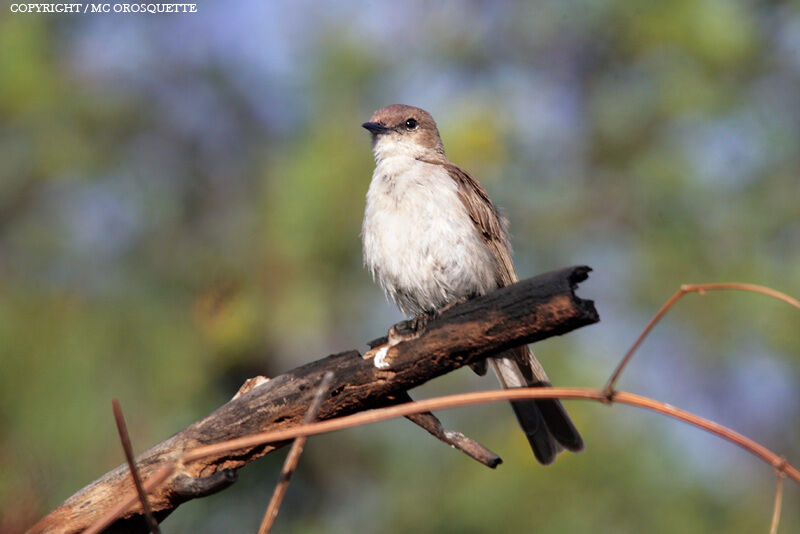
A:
(528, 311)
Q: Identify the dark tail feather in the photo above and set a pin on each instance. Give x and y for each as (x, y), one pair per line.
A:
(545, 422)
(533, 424)
(559, 423)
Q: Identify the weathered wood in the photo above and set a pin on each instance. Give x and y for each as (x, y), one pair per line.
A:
(528, 311)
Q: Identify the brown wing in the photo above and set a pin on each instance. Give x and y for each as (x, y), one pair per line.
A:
(545, 422)
(492, 227)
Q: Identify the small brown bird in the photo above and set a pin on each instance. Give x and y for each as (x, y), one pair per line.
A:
(432, 238)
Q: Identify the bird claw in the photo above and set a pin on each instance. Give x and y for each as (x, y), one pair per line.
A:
(402, 331)
(408, 330)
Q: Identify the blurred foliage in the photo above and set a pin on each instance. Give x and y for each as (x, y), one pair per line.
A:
(180, 207)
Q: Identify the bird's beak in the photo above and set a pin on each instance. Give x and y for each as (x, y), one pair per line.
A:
(375, 127)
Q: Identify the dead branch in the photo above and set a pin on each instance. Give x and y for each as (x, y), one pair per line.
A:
(528, 311)
(457, 440)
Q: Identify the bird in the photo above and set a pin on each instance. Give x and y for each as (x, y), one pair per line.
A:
(432, 238)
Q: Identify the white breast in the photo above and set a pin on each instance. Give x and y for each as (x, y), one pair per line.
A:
(419, 241)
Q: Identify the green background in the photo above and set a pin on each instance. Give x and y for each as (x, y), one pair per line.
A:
(180, 206)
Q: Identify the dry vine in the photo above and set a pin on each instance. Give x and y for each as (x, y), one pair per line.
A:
(700, 289)
(608, 394)
(781, 467)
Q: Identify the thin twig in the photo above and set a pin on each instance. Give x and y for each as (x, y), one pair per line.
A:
(125, 438)
(684, 289)
(481, 397)
(776, 507)
(292, 459)
(130, 498)
(753, 288)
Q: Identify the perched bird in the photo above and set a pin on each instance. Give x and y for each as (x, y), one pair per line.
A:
(433, 238)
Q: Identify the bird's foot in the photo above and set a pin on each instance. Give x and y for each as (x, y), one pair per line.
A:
(402, 331)
(408, 330)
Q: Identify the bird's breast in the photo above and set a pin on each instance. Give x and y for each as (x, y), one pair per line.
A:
(419, 241)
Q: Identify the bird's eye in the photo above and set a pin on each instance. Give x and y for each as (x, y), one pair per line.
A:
(411, 124)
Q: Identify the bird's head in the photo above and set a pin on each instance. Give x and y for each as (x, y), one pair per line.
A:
(400, 130)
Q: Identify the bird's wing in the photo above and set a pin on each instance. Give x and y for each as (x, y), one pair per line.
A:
(545, 421)
(490, 225)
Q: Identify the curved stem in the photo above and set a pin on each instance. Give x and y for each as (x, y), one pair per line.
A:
(481, 397)
(684, 289)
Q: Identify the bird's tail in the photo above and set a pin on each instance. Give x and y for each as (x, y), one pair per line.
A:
(545, 421)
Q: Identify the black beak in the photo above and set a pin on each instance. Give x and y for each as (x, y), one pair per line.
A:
(375, 128)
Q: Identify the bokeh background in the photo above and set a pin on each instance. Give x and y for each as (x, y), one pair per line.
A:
(180, 205)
